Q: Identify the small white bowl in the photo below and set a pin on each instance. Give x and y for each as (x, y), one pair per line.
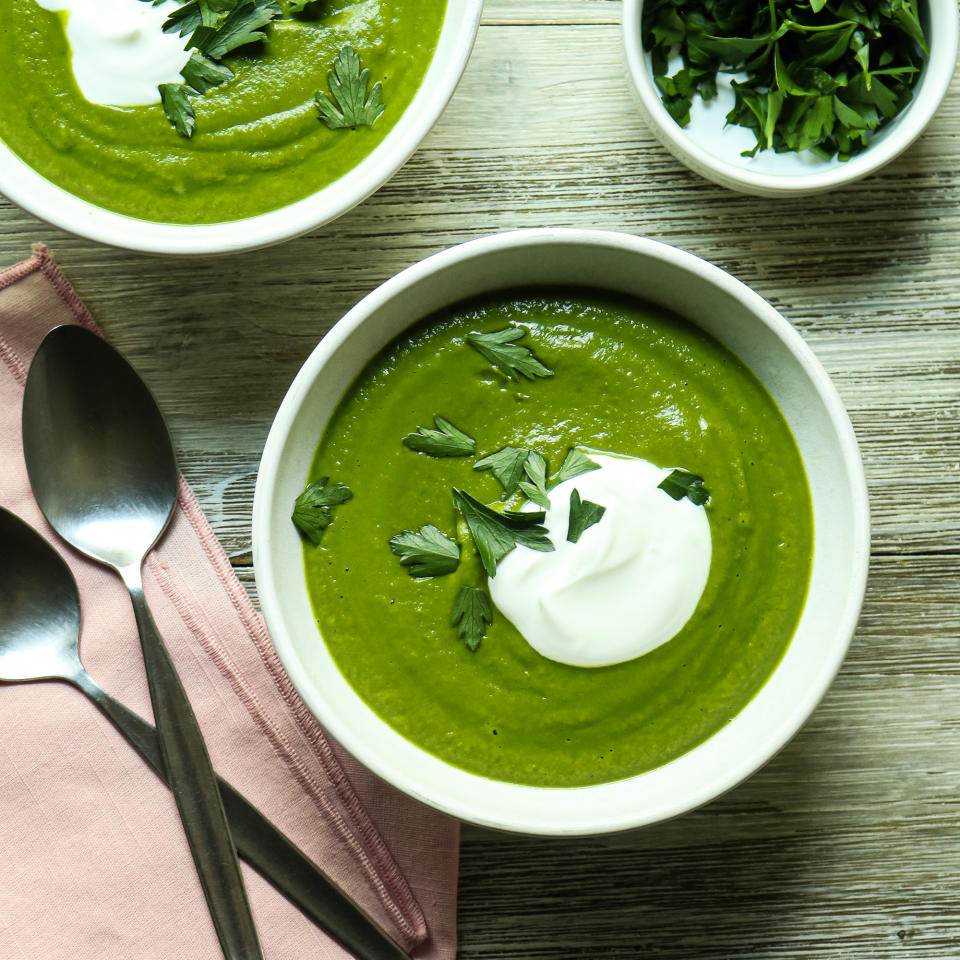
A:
(739, 319)
(713, 151)
(45, 200)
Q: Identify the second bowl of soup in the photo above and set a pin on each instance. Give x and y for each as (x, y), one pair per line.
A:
(150, 127)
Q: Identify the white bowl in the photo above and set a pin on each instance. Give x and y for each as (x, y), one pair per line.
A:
(38, 196)
(738, 318)
(713, 151)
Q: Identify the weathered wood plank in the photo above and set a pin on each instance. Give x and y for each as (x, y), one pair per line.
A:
(569, 12)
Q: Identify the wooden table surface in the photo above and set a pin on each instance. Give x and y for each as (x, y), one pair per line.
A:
(847, 845)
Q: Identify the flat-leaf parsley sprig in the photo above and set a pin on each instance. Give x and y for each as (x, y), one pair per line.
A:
(445, 440)
(512, 360)
(507, 465)
(682, 483)
(517, 468)
(472, 613)
(354, 106)
(574, 464)
(313, 510)
(496, 534)
(820, 74)
(583, 515)
(427, 552)
(535, 486)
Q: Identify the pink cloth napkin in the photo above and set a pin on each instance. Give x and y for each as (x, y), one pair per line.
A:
(93, 861)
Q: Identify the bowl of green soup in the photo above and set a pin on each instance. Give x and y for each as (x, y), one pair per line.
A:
(561, 532)
(145, 126)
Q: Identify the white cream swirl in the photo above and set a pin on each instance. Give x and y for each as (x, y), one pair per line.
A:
(119, 52)
(627, 586)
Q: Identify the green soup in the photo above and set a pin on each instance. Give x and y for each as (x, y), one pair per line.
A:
(259, 143)
(628, 378)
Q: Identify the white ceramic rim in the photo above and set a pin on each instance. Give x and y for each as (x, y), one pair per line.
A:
(933, 85)
(45, 200)
(592, 821)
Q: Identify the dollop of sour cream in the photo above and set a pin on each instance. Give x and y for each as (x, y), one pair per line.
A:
(119, 51)
(630, 582)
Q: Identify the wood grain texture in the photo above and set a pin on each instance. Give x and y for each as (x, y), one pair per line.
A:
(845, 847)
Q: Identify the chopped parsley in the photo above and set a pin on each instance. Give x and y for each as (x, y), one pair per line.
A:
(512, 360)
(427, 552)
(472, 612)
(819, 75)
(681, 483)
(583, 514)
(313, 510)
(496, 534)
(216, 28)
(354, 107)
(444, 441)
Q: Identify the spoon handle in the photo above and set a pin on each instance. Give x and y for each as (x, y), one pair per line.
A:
(194, 786)
(265, 847)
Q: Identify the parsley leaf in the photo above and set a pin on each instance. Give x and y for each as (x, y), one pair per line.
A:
(472, 611)
(446, 441)
(313, 512)
(535, 486)
(178, 108)
(681, 483)
(187, 18)
(510, 359)
(196, 13)
(240, 27)
(428, 552)
(496, 534)
(583, 514)
(507, 466)
(575, 463)
(204, 74)
(348, 86)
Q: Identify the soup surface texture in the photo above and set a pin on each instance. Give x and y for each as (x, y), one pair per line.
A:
(628, 378)
(259, 142)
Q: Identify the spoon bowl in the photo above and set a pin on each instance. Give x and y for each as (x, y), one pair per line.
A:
(40, 608)
(86, 452)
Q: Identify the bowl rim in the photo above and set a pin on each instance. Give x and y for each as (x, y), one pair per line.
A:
(592, 822)
(63, 210)
(939, 70)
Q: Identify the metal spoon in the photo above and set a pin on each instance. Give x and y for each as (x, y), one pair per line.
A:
(39, 633)
(103, 471)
